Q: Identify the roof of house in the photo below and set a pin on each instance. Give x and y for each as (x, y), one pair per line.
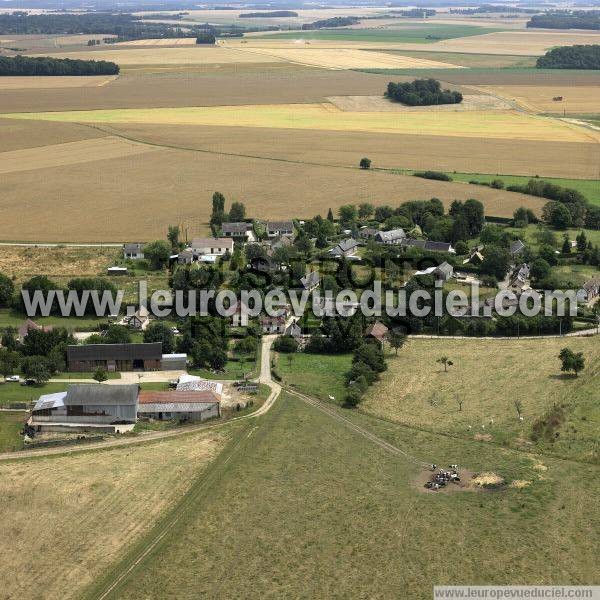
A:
(178, 397)
(413, 243)
(149, 351)
(268, 319)
(377, 330)
(368, 232)
(516, 246)
(389, 236)
(50, 401)
(193, 382)
(310, 280)
(133, 247)
(592, 284)
(280, 225)
(86, 394)
(293, 329)
(445, 268)
(438, 246)
(237, 228)
(345, 246)
(212, 242)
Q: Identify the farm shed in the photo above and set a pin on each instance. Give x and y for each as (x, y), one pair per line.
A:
(115, 357)
(133, 251)
(183, 405)
(174, 362)
(86, 406)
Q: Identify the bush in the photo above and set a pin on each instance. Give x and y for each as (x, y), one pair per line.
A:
(461, 248)
(437, 175)
(497, 184)
(365, 163)
(285, 344)
(422, 92)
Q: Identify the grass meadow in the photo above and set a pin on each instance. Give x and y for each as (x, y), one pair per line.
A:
(310, 508)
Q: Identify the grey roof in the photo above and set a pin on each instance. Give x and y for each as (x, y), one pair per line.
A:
(413, 243)
(438, 246)
(367, 232)
(345, 246)
(50, 401)
(151, 351)
(211, 243)
(280, 226)
(293, 330)
(516, 246)
(390, 236)
(133, 248)
(86, 394)
(445, 268)
(591, 285)
(236, 228)
(310, 280)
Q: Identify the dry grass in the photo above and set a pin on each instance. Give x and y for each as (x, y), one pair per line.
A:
(444, 153)
(72, 516)
(326, 117)
(488, 375)
(167, 56)
(29, 83)
(60, 264)
(160, 42)
(133, 197)
(71, 153)
(347, 58)
(537, 98)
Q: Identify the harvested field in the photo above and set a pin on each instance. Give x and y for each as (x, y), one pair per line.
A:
(576, 99)
(160, 42)
(29, 83)
(15, 135)
(470, 60)
(201, 86)
(325, 117)
(70, 153)
(71, 516)
(347, 58)
(444, 153)
(381, 104)
(167, 56)
(135, 188)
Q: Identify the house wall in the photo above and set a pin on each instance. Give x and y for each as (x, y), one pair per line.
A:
(112, 412)
(210, 412)
(111, 365)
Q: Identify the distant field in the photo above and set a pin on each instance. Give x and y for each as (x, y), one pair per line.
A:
(71, 516)
(70, 153)
(417, 392)
(576, 99)
(166, 56)
(160, 42)
(499, 124)
(387, 150)
(347, 58)
(28, 83)
(470, 60)
(405, 33)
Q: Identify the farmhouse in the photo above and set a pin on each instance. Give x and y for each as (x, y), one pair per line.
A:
(439, 247)
(138, 320)
(442, 272)
(367, 233)
(213, 246)
(310, 281)
(85, 406)
(589, 291)
(181, 405)
(394, 236)
(293, 330)
(272, 324)
(347, 247)
(277, 228)
(239, 230)
(115, 357)
(133, 251)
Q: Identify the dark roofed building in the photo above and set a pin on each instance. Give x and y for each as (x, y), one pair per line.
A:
(367, 233)
(347, 247)
(310, 281)
(412, 243)
(276, 228)
(516, 247)
(241, 230)
(439, 247)
(115, 357)
(394, 236)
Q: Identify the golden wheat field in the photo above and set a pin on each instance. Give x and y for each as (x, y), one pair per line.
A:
(31, 83)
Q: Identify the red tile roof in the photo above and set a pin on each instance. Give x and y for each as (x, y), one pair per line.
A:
(378, 330)
(177, 397)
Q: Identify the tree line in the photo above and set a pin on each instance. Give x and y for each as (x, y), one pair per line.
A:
(333, 22)
(422, 92)
(578, 19)
(44, 65)
(571, 57)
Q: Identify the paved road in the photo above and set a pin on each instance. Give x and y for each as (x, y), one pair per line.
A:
(264, 377)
